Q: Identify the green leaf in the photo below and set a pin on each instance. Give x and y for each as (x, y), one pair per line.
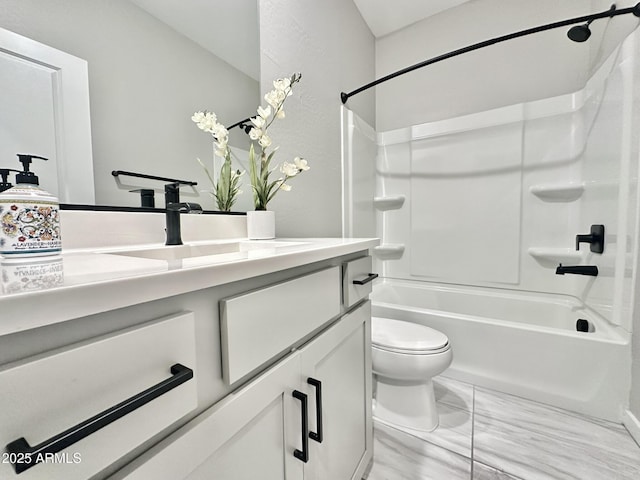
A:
(226, 190)
(253, 173)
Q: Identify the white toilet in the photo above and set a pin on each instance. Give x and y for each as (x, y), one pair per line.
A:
(405, 357)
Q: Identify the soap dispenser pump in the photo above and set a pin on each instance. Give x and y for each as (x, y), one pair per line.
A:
(29, 216)
(5, 184)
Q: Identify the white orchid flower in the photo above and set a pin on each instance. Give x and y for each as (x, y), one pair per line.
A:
(222, 143)
(206, 118)
(282, 84)
(263, 186)
(275, 98)
(219, 131)
(259, 122)
(264, 112)
(198, 117)
(301, 164)
(209, 124)
(289, 169)
(264, 141)
(272, 99)
(255, 133)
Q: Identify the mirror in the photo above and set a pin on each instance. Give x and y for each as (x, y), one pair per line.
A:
(45, 108)
(151, 64)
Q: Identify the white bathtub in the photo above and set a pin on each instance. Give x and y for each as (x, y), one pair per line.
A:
(520, 343)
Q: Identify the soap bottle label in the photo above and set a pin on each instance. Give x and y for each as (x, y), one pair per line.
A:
(27, 228)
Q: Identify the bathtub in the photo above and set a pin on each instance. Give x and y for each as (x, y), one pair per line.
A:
(520, 343)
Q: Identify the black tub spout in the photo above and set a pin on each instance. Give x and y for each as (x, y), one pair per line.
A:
(590, 270)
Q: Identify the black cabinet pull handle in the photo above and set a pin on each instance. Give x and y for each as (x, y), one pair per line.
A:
(370, 278)
(303, 455)
(317, 436)
(28, 456)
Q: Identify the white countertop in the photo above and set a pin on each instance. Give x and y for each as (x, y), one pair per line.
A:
(47, 290)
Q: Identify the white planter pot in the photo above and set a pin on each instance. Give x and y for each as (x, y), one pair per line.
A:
(261, 224)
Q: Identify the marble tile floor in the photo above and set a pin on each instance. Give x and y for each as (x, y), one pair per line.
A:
(487, 435)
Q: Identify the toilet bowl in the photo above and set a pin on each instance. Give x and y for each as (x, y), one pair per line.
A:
(406, 356)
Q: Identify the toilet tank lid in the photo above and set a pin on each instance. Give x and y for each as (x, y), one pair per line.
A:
(399, 335)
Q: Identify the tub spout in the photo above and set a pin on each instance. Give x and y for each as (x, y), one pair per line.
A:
(591, 270)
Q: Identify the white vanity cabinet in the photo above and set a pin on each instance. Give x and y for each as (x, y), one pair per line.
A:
(278, 357)
(70, 413)
(306, 417)
(250, 434)
(336, 370)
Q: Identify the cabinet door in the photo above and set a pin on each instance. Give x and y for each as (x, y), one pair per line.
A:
(76, 410)
(250, 434)
(340, 359)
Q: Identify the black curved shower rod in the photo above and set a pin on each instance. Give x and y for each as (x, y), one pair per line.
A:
(577, 34)
(243, 124)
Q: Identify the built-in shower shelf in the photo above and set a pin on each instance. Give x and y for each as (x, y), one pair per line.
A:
(558, 192)
(389, 251)
(555, 255)
(391, 202)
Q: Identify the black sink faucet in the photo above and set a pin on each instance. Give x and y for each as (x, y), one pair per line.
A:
(173, 209)
(591, 270)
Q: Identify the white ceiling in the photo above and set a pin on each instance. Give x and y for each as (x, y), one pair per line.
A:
(384, 17)
(229, 29)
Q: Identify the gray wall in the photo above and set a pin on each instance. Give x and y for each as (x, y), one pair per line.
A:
(329, 43)
(145, 82)
(529, 68)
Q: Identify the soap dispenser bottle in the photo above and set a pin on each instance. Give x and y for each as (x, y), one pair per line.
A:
(29, 217)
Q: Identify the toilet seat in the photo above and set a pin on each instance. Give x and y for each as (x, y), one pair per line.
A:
(406, 338)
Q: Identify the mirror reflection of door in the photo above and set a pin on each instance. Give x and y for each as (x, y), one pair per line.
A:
(44, 99)
(27, 122)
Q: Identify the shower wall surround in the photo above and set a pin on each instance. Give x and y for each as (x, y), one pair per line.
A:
(496, 198)
(492, 202)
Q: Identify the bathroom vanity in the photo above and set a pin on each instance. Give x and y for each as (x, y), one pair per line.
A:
(228, 359)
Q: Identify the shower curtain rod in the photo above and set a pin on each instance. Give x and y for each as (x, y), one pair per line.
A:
(578, 34)
(243, 124)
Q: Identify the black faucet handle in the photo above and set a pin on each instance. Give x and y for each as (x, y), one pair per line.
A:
(595, 239)
(147, 197)
(582, 239)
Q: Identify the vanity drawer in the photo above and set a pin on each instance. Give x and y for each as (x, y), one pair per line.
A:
(259, 325)
(55, 400)
(357, 280)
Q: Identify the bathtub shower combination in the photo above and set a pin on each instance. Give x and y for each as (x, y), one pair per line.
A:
(525, 344)
(476, 213)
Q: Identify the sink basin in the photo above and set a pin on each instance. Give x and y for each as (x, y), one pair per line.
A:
(178, 252)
